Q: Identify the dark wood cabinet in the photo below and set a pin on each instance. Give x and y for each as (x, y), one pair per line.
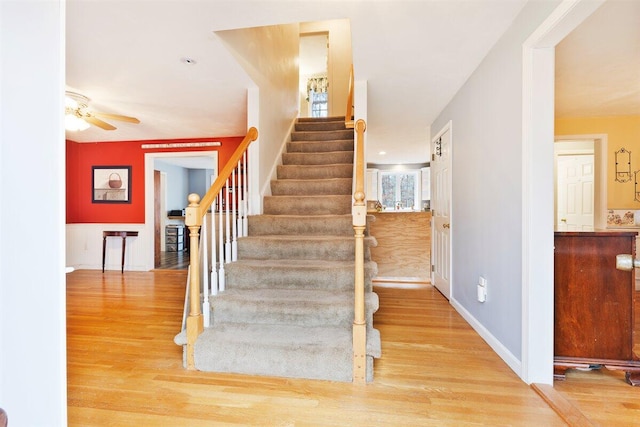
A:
(594, 303)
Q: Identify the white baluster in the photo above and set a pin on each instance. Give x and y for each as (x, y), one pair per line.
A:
(240, 201)
(234, 217)
(221, 278)
(245, 196)
(204, 264)
(227, 228)
(214, 266)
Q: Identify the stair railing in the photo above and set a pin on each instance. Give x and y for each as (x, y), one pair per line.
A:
(205, 265)
(348, 116)
(359, 213)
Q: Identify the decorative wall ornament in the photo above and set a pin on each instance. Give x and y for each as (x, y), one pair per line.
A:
(623, 165)
(111, 184)
(636, 190)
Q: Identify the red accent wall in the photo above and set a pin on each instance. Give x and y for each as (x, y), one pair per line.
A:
(80, 157)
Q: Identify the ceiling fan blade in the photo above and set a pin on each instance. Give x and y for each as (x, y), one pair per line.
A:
(97, 122)
(116, 117)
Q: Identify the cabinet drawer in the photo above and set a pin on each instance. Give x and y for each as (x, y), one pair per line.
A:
(174, 231)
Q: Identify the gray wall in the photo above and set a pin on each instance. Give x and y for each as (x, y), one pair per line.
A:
(486, 223)
(183, 181)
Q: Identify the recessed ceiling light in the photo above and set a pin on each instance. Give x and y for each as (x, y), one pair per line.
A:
(382, 153)
(189, 61)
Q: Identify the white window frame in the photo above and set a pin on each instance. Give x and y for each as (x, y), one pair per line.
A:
(417, 191)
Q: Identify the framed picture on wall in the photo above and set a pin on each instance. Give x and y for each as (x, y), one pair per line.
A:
(111, 184)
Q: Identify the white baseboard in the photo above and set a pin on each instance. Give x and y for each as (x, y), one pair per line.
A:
(501, 350)
(273, 173)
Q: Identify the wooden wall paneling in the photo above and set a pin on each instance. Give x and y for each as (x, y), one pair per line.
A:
(404, 244)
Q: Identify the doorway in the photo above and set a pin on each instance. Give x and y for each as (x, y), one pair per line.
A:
(585, 144)
(574, 185)
(314, 80)
(174, 191)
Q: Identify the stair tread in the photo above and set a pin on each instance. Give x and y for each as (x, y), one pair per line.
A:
(312, 180)
(292, 263)
(278, 334)
(304, 237)
(311, 296)
(312, 196)
(321, 119)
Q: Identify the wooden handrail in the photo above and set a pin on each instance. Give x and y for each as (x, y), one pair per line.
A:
(213, 191)
(359, 213)
(348, 116)
(194, 213)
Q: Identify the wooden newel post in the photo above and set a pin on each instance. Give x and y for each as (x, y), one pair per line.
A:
(195, 321)
(359, 213)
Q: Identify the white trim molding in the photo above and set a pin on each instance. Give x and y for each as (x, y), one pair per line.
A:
(538, 74)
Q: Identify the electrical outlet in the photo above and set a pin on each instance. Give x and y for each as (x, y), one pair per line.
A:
(482, 289)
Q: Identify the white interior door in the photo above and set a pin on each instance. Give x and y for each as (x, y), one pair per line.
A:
(441, 211)
(575, 193)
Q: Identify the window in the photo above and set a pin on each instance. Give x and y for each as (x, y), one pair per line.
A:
(400, 190)
(319, 104)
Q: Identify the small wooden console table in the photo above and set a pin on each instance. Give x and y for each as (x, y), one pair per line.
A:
(124, 235)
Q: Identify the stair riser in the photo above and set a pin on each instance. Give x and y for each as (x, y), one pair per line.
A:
(319, 126)
(240, 276)
(329, 358)
(315, 172)
(319, 147)
(273, 360)
(321, 119)
(307, 205)
(250, 248)
(331, 158)
(320, 315)
(322, 136)
(260, 225)
(324, 187)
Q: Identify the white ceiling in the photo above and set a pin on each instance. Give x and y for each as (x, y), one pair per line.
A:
(598, 64)
(128, 57)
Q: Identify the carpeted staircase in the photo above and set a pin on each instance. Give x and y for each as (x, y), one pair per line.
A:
(288, 306)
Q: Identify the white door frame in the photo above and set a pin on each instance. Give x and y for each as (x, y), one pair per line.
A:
(448, 127)
(149, 163)
(538, 75)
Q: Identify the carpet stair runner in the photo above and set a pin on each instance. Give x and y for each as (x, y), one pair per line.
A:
(287, 310)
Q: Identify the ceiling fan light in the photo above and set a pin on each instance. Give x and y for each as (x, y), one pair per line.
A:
(74, 123)
(70, 103)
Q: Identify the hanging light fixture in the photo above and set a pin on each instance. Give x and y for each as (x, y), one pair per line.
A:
(73, 104)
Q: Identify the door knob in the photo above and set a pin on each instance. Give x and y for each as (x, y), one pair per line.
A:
(563, 219)
(626, 262)
(445, 225)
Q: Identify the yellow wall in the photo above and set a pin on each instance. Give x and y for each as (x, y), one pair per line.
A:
(621, 131)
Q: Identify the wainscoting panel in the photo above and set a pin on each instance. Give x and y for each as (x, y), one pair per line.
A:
(84, 247)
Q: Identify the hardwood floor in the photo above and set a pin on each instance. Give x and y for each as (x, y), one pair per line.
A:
(603, 396)
(125, 370)
(174, 260)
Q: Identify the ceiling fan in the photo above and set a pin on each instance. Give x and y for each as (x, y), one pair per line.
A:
(78, 116)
